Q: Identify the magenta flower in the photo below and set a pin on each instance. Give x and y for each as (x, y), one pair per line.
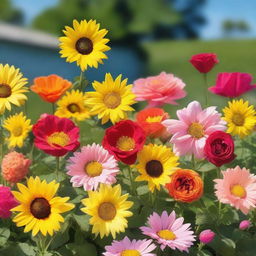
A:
(193, 128)
(232, 84)
(92, 166)
(169, 231)
(237, 188)
(7, 202)
(126, 247)
(244, 224)
(159, 90)
(206, 236)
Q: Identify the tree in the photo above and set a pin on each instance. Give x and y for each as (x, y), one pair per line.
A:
(127, 20)
(10, 14)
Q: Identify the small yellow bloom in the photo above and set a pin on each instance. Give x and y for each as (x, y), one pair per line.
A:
(12, 87)
(18, 126)
(240, 118)
(84, 44)
(72, 105)
(108, 210)
(111, 99)
(38, 209)
(155, 164)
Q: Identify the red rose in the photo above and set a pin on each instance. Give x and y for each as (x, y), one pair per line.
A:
(124, 140)
(204, 62)
(219, 148)
(232, 84)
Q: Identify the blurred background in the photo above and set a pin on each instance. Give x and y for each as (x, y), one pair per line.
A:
(147, 37)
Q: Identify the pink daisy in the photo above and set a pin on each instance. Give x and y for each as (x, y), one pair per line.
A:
(159, 90)
(126, 247)
(91, 166)
(192, 129)
(237, 188)
(169, 231)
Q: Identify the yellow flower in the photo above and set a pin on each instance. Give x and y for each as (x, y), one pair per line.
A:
(84, 43)
(38, 209)
(72, 105)
(155, 164)
(18, 127)
(12, 87)
(111, 99)
(109, 210)
(240, 118)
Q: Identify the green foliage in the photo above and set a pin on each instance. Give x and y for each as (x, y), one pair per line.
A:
(122, 19)
(9, 13)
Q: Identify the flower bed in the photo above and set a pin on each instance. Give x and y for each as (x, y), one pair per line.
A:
(152, 184)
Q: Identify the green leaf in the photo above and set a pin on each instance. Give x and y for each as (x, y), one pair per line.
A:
(4, 236)
(82, 249)
(82, 221)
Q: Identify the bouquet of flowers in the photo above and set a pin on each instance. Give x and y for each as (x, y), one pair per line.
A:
(96, 177)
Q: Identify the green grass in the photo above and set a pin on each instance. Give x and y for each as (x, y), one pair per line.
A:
(173, 56)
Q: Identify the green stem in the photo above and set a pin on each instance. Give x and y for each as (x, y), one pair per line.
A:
(193, 160)
(206, 89)
(133, 188)
(53, 108)
(81, 80)
(57, 167)
(218, 173)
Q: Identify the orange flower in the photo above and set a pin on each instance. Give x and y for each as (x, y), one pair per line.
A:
(185, 186)
(150, 120)
(50, 88)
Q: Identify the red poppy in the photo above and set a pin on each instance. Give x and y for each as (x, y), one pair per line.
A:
(150, 120)
(124, 140)
(56, 136)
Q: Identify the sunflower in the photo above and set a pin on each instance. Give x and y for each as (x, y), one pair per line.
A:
(111, 99)
(84, 43)
(19, 127)
(12, 87)
(155, 164)
(240, 118)
(72, 105)
(38, 209)
(109, 210)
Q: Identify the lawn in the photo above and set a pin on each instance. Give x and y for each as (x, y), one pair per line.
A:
(173, 56)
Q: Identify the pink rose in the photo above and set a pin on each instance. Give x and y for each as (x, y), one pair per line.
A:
(232, 84)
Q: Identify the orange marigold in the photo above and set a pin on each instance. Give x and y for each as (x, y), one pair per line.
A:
(185, 186)
(150, 120)
(50, 88)
(15, 167)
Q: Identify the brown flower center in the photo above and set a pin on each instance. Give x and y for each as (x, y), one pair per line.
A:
(17, 131)
(184, 184)
(73, 108)
(84, 45)
(93, 169)
(5, 91)
(107, 211)
(154, 168)
(196, 130)
(112, 100)
(238, 119)
(40, 208)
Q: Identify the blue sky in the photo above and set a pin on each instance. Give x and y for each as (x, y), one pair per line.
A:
(215, 11)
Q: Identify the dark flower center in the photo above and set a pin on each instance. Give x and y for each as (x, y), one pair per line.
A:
(154, 168)
(218, 147)
(40, 208)
(73, 108)
(5, 91)
(184, 184)
(84, 45)
(107, 211)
